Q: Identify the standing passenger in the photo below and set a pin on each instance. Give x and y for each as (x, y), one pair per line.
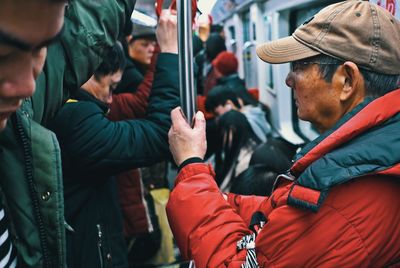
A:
(94, 149)
(32, 221)
(339, 204)
(140, 48)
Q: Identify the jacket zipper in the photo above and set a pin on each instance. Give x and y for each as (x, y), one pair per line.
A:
(33, 191)
(99, 243)
(287, 176)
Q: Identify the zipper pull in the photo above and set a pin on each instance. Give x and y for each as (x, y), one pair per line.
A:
(99, 233)
(99, 242)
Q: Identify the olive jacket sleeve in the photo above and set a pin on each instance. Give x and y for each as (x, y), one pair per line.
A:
(90, 30)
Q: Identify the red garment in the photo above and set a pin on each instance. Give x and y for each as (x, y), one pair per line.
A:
(226, 63)
(211, 81)
(130, 187)
(355, 224)
(133, 105)
(201, 106)
(356, 227)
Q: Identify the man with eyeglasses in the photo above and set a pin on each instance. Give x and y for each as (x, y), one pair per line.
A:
(32, 225)
(338, 206)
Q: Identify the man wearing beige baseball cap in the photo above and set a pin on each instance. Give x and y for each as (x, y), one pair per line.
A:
(338, 206)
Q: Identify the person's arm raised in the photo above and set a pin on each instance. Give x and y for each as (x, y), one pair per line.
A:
(167, 35)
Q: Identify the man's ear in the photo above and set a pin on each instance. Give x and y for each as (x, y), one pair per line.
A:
(352, 80)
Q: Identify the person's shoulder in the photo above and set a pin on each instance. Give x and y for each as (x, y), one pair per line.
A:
(74, 110)
(73, 104)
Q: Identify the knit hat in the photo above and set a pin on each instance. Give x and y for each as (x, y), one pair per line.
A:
(358, 31)
(226, 63)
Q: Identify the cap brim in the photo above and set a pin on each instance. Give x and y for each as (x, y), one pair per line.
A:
(284, 50)
(144, 36)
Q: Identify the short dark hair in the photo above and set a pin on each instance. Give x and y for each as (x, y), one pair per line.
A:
(376, 84)
(216, 28)
(113, 62)
(219, 95)
(215, 44)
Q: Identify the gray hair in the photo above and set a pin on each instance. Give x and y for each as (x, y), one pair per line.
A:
(376, 84)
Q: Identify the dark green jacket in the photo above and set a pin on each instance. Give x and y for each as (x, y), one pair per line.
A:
(30, 170)
(95, 148)
(132, 77)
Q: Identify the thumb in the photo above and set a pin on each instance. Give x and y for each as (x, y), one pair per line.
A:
(200, 121)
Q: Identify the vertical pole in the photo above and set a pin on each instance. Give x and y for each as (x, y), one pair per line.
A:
(185, 46)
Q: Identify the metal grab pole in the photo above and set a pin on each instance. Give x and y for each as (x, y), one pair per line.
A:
(186, 78)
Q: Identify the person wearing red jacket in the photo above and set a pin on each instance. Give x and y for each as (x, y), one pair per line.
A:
(338, 206)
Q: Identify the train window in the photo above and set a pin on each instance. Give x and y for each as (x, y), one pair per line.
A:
(268, 37)
(232, 40)
(254, 32)
(246, 27)
(305, 14)
(232, 33)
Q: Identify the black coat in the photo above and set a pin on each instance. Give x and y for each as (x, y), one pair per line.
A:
(232, 80)
(93, 150)
(132, 77)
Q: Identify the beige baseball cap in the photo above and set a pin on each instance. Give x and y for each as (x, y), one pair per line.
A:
(358, 31)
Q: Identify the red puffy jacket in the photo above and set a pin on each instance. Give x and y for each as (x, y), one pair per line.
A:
(355, 224)
(356, 227)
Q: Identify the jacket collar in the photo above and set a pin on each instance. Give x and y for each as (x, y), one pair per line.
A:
(83, 95)
(361, 143)
(138, 66)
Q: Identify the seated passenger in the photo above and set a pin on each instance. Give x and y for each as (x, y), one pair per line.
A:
(241, 126)
(255, 180)
(226, 65)
(215, 44)
(339, 204)
(94, 149)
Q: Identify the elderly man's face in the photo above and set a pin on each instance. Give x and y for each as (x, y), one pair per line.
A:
(317, 101)
(26, 29)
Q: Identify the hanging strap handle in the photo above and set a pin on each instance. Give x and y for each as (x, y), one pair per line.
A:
(159, 6)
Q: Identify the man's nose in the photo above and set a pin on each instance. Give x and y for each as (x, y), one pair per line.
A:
(18, 89)
(290, 80)
(20, 81)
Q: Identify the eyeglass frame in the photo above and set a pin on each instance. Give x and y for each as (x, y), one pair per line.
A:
(304, 63)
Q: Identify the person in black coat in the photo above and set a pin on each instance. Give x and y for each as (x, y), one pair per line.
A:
(140, 46)
(95, 148)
